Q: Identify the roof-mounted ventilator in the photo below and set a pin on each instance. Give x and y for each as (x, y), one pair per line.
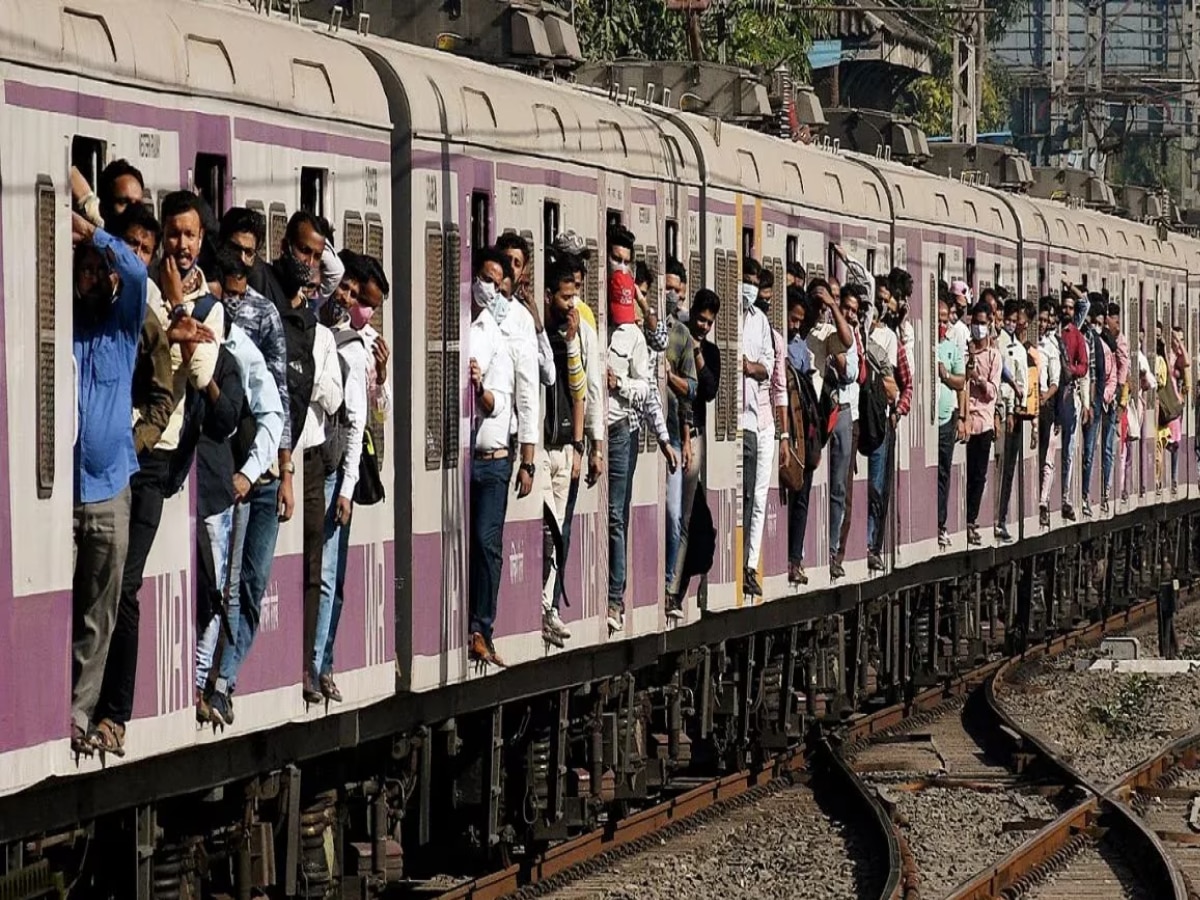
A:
(364, 24)
(335, 19)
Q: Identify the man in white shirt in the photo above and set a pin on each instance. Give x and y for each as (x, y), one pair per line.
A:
(340, 456)
(520, 328)
(756, 422)
(1049, 379)
(628, 386)
(1011, 344)
(493, 382)
(961, 301)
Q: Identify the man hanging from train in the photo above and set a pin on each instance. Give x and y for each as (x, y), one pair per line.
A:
(1118, 343)
(1073, 388)
(119, 186)
(1102, 378)
(706, 359)
(571, 250)
(756, 423)
(109, 310)
(985, 366)
(1015, 397)
(886, 398)
(803, 422)
(681, 393)
(851, 301)
(1049, 429)
(776, 395)
(629, 383)
(951, 412)
(563, 450)
(493, 382)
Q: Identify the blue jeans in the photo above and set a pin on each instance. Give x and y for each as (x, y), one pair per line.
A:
(1069, 421)
(622, 461)
(489, 505)
(840, 451)
(1108, 435)
(218, 532)
(333, 581)
(1090, 433)
(674, 510)
(878, 483)
(256, 529)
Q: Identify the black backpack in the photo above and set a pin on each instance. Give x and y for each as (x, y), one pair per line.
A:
(299, 332)
(872, 410)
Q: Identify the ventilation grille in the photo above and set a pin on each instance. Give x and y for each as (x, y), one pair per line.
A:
(45, 336)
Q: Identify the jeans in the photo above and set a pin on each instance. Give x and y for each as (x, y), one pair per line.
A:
(257, 527)
(797, 508)
(1091, 432)
(947, 435)
(1108, 436)
(333, 581)
(840, 453)
(758, 454)
(145, 513)
(215, 569)
(1069, 419)
(674, 510)
(979, 454)
(851, 471)
(878, 488)
(489, 505)
(568, 516)
(1012, 455)
(622, 461)
(689, 484)
(101, 541)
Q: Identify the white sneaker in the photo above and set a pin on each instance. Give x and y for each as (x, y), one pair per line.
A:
(551, 620)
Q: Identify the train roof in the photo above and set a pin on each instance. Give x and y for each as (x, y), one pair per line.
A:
(211, 49)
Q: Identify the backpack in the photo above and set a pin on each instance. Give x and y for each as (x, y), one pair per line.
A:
(804, 410)
(873, 408)
(299, 332)
(1170, 406)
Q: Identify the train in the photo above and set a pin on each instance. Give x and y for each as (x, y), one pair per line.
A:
(420, 158)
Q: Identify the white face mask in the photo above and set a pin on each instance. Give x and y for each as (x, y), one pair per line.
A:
(979, 332)
(616, 266)
(486, 296)
(749, 294)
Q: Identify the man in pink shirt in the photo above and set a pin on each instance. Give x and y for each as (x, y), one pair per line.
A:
(1115, 340)
(984, 369)
(1102, 385)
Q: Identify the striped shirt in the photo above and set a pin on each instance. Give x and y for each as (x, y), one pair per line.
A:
(258, 317)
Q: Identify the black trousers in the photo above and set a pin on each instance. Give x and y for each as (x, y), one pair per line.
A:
(947, 435)
(979, 454)
(145, 513)
(1012, 455)
(313, 510)
(797, 502)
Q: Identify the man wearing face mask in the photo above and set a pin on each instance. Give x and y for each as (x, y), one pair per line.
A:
(653, 415)
(756, 422)
(1102, 378)
(1073, 387)
(1050, 375)
(109, 305)
(345, 315)
(852, 300)
(960, 328)
(493, 383)
(1119, 344)
(681, 393)
(951, 412)
(1012, 348)
(562, 454)
(629, 383)
(984, 368)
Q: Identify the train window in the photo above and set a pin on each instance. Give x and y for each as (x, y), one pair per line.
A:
(481, 213)
(209, 178)
(996, 275)
(353, 232)
(613, 217)
(312, 190)
(871, 265)
(671, 239)
(1041, 282)
(87, 155)
(941, 269)
(747, 242)
(971, 271)
(435, 294)
(792, 251)
(373, 245)
(44, 217)
(550, 213)
(695, 277)
(1103, 285)
(277, 220)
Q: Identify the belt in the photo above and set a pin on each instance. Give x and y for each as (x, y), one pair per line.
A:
(843, 406)
(484, 455)
(695, 430)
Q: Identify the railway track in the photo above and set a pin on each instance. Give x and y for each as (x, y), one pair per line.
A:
(1051, 829)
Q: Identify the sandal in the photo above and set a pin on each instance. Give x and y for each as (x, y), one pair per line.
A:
(109, 737)
(81, 742)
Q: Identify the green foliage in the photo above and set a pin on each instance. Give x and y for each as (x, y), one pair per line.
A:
(613, 29)
(1123, 715)
(932, 100)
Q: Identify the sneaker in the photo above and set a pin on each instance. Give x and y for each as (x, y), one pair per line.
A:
(220, 708)
(1044, 516)
(1068, 512)
(478, 650)
(943, 538)
(674, 608)
(616, 618)
(556, 625)
(1002, 535)
(796, 574)
(750, 585)
(1087, 509)
(1104, 504)
(329, 688)
(875, 562)
(549, 635)
(835, 570)
(203, 712)
(973, 537)
(312, 694)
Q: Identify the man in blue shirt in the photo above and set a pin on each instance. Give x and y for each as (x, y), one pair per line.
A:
(109, 307)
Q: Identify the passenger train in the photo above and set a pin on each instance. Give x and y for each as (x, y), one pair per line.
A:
(419, 158)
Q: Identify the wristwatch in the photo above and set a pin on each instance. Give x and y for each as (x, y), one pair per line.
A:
(529, 468)
(785, 436)
(577, 446)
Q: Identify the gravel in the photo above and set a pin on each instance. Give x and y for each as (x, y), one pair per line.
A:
(783, 846)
